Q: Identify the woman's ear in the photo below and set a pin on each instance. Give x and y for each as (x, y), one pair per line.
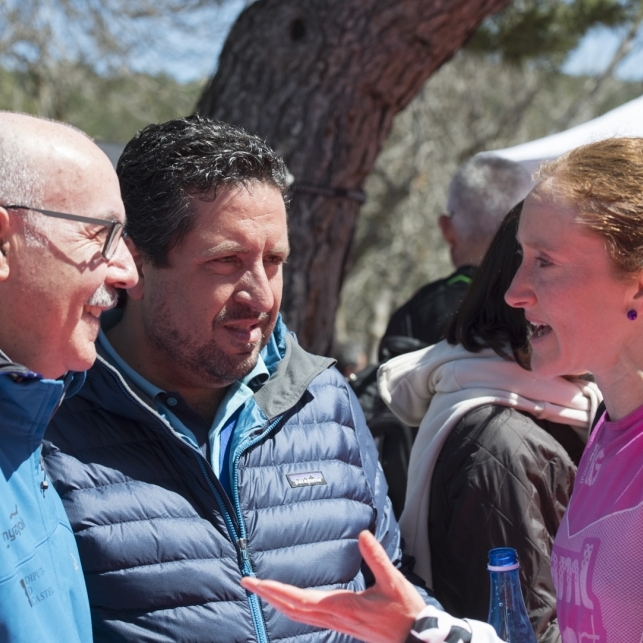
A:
(637, 299)
(136, 292)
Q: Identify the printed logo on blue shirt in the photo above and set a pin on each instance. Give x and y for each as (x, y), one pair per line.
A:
(16, 529)
(35, 586)
(305, 479)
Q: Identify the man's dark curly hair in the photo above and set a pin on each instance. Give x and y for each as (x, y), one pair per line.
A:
(164, 167)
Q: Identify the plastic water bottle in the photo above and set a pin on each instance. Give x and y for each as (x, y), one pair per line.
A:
(507, 611)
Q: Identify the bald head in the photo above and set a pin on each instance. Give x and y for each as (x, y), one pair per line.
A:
(43, 163)
(55, 279)
(20, 178)
(28, 125)
(28, 143)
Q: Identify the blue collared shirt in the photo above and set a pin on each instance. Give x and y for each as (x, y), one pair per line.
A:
(224, 422)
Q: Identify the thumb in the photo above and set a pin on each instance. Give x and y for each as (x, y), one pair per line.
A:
(377, 559)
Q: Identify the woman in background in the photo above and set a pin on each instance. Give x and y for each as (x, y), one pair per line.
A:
(580, 284)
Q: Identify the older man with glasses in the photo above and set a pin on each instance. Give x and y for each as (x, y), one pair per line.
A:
(58, 272)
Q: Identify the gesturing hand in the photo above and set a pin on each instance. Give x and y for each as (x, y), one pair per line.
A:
(384, 613)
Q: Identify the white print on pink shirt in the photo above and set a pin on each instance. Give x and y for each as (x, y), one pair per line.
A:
(572, 575)
(597, 559)
(594, 467)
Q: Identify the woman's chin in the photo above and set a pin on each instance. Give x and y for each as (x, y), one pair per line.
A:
(546, 367)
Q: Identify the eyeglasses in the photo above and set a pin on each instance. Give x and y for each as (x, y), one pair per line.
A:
(115, 228)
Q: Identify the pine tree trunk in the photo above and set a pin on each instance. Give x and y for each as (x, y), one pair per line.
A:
(321, 81)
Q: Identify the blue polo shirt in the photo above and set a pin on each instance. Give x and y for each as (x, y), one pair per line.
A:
(213, 441)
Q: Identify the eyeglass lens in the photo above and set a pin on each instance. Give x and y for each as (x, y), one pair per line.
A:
(111, 243)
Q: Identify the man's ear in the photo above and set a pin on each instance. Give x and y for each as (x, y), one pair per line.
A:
(5, 233)
(136, 292)
(448, 230)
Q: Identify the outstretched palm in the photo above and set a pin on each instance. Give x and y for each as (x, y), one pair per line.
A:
(384, 613)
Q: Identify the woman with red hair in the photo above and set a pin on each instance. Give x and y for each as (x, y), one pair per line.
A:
(580, 284)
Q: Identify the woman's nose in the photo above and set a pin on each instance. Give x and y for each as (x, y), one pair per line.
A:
(519, 294)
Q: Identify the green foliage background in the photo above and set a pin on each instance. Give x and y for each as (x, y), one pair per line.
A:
(113, 105)
(108, 108)
(545, 31)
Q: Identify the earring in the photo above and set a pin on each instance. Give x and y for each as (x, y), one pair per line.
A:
(632, 315)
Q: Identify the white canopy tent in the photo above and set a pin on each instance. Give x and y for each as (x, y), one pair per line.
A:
(626, 120)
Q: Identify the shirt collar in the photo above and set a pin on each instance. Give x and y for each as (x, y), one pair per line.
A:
(257, 376)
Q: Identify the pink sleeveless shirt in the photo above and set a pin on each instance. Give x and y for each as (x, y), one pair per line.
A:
(597, 560)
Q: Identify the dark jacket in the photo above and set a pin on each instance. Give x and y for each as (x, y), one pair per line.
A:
(501, 479)
(419, 322)
(426, 314)
(42, 590)
(164, 548)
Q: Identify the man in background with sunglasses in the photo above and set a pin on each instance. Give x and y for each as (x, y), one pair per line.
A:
(61, 260)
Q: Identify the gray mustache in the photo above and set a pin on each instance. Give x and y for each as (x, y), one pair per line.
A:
(105, 297)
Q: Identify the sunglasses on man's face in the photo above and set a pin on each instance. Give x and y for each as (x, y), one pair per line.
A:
(115, 230)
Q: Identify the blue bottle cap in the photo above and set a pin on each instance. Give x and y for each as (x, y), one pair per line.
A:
(503, 559)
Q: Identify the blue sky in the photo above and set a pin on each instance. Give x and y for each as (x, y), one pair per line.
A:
(597, 49)
(195, 56)
(192, 57)
(185, 46)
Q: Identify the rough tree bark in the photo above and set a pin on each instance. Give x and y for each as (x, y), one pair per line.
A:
(321, 81)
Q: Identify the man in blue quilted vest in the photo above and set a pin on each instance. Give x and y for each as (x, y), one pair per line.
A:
(206, 444)
(61, 260)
